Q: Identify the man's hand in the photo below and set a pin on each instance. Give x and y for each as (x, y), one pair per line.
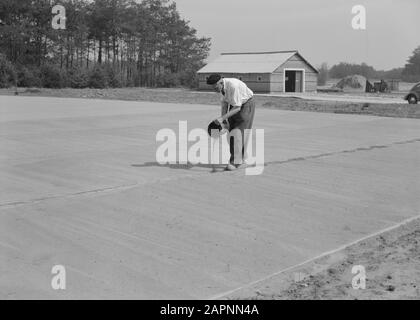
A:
(220, 120)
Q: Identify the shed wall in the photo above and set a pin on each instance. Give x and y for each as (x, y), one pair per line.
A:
(295, 62)
(257, 82)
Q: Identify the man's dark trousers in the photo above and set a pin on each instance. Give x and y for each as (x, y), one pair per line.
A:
(242, 120)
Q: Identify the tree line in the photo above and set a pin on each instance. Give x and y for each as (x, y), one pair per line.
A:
(409, 73)
(106, 43)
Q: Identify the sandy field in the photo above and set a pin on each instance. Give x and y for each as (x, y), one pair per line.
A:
(80, 187)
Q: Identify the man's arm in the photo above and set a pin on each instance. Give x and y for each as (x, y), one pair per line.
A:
(225, 106)
(228, 115)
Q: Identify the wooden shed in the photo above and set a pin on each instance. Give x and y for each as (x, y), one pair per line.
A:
(278, 71)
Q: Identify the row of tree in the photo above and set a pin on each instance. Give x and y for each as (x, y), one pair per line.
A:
(106, 42)
(410, 72)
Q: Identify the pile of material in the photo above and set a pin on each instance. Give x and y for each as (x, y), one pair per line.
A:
(354, 83)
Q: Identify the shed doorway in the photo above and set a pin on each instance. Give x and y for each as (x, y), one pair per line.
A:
(293, 81)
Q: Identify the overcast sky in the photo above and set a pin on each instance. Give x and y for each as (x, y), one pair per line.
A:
(320, 29)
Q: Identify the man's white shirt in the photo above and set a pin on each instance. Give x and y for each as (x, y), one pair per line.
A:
(236, 92)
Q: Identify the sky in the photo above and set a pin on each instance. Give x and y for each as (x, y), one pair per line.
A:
(321, 30)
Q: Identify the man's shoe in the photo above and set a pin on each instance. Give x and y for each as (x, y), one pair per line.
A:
(243, 165)
(230, 167)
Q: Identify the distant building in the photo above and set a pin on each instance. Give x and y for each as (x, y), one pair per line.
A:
(279, 71)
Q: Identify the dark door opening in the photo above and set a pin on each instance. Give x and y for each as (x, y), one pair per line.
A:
(293, 81)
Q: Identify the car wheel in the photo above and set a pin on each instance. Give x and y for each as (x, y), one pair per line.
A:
(412, 99)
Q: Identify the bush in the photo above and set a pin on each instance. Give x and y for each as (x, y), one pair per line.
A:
(98, 77)
(8, 74)
(168, 80)
(188, 77)
(28, 77)
(52, 76)
(130, 83)
(136, 79)
(78, 78)
(411, 78)
(114, 78)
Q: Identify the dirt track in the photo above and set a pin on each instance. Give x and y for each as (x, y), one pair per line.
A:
(383, 105)
(80, 187)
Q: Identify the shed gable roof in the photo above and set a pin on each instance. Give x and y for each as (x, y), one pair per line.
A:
(250, 62)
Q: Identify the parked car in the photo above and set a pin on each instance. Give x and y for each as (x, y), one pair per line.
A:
(414, 95)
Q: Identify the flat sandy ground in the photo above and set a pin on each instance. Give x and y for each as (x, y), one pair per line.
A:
(80, 187)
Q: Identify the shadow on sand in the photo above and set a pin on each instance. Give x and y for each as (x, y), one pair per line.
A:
(188, 166)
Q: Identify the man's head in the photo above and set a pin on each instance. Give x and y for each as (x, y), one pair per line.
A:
(215, 81)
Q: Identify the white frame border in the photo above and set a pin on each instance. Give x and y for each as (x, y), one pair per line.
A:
(294, 69)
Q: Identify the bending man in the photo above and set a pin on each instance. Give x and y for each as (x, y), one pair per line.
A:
(238, 108)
